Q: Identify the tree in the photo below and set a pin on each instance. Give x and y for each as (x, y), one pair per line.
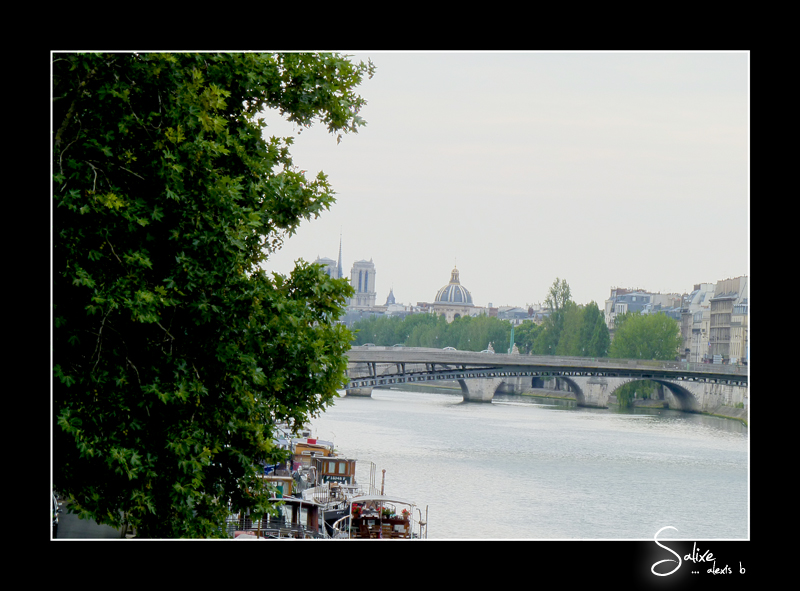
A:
(645, 336)
(558, 295)
(600, 341)
(525, 336)
(174, 353)
(569, 339)
(595, 339)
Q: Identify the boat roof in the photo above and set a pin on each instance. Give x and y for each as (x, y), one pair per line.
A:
(294, 500)
(380, 498)
(318, 442)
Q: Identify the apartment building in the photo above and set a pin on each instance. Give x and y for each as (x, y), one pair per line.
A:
(729, 295)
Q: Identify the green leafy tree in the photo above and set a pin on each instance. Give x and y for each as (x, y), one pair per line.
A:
(525, 336)
(558, 295)
(600, 340)
(431, 330)
(557, 300)
(645, 336)
(487, 329)
(594, 338)
(174, 353)
(569, 329)
(569, 339)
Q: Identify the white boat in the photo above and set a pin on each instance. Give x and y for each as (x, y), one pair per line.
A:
(298, 519)
(334, 485)
(376, 516)
(320, 498)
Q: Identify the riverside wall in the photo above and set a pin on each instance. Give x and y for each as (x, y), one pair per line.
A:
(718, 400)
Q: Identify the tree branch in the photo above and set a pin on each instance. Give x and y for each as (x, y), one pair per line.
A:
(99, 339)
(112, 250)
(72, 107)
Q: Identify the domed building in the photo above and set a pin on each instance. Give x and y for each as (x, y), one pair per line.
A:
(454, 300)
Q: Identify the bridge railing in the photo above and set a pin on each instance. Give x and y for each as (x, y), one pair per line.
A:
(502, 358)
(653, 364)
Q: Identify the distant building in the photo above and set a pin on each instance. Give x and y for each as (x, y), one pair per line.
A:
(729, 294)
(362, 278)
(353, 315)
(739, 350)
(669, 304)
(397, 310)
(515, 316)
(331, 267)
(390, 298)
(454, 300)
(695, 320)
(622, 301)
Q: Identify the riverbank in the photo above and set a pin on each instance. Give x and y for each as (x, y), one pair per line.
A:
(721, 411)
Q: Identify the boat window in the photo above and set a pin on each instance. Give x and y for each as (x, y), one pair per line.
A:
(342, 468)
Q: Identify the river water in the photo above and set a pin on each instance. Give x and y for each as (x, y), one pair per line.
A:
(532, 468)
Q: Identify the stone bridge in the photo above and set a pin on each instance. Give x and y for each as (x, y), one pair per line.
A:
(697, 387)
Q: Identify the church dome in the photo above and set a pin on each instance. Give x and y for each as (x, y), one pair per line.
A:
(453, 292)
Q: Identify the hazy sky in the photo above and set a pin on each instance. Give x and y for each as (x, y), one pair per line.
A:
(604, 169)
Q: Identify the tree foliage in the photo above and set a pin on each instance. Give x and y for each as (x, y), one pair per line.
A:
(558, 295)
(645, 336)
(174, 353)
(571, 330)
(432, 330)
(568, 330)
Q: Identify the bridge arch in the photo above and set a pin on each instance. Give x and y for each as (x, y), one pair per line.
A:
(580, 398)
(684, 398)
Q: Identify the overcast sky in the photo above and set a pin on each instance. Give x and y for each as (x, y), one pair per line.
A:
(604, 169)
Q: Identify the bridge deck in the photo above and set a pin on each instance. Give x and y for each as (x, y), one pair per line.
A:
(440, 364)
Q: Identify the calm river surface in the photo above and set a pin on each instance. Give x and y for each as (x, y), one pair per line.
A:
(528, 468)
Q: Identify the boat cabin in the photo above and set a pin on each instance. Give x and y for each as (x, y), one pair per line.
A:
(299, 518)
(306, 449)
(283, 483)
(379, 516)
(335, 469)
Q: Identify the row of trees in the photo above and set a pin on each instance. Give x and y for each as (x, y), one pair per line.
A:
(431, 330)
(568, 330)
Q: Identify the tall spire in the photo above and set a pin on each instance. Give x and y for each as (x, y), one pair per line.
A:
(340, 256)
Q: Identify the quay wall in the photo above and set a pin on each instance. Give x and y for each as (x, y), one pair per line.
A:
(717, 399)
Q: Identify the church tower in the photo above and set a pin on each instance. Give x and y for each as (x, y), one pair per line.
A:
(362, 278)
